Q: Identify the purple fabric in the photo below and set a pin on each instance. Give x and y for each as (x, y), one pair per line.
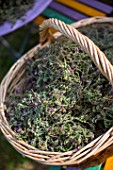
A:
(98, 5)
(37, 8)
(72, 168)
(67, 11)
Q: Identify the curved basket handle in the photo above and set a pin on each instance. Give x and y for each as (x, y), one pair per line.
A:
(85, 43)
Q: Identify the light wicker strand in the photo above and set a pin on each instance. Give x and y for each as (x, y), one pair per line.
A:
(85, 43)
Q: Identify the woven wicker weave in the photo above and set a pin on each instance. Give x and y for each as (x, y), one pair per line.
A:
(95, 152)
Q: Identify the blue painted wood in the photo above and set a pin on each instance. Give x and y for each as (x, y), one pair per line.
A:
(55, 168)
(94, 168)
(98, 5)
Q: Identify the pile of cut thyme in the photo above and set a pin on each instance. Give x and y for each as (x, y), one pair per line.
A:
(68, 102)
(12, 10)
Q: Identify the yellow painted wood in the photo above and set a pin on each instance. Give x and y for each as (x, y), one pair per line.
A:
(39, 20)
(82, 8)
(109, 164)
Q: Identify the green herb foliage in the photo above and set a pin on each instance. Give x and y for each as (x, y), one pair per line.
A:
(11, 10)
(68, 102)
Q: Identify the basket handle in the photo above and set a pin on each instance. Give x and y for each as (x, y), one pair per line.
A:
(97, 56)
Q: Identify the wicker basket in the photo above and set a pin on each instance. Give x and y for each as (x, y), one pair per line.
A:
(95, 152)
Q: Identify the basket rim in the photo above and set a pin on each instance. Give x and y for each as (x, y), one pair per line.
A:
(20, 147)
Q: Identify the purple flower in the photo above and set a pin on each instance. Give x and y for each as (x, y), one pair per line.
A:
(111, 106)
(73, 68)
(35, 104)
(111, 91)
(19, 130)
(12, 114)
(17, 90)
(50, 110)
(76, 49)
